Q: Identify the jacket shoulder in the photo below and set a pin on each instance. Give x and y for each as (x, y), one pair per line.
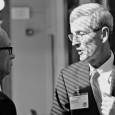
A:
(7, 106)
(76, 75)
(79, 66)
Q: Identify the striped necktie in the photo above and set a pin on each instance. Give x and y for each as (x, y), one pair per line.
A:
(95, 89)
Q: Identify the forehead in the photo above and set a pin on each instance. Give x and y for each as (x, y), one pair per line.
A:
(4, 38)
(8, 42)
(5, 41)
(80, 24)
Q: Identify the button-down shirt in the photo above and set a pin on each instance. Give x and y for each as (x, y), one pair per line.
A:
(104, 80)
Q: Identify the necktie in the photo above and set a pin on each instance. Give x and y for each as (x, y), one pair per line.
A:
(95, 88)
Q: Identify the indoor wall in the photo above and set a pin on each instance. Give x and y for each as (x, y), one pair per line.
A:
(37, 35)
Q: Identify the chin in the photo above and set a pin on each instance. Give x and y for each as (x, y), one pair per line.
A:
(6, 72)
(83, 58)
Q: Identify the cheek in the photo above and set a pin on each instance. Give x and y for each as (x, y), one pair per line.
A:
(6, 63)
(90, 48)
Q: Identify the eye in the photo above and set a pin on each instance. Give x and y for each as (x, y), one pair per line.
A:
(82, 33)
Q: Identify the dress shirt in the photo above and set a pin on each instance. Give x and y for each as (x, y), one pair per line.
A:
(104, 80)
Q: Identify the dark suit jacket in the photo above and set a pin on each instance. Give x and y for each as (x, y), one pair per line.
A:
(70, 78)
(7, 106)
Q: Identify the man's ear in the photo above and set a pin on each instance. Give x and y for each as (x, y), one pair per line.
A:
(105, 34)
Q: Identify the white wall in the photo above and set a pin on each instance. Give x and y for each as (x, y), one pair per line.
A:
(32, 66)
(32, 76)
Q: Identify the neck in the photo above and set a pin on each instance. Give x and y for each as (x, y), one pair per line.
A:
(101, 59)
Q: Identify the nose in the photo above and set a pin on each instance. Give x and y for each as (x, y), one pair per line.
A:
(12, 56)
(76, 43)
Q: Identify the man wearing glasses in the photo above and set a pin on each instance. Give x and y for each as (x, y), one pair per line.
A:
(7, 106)
(88, 86)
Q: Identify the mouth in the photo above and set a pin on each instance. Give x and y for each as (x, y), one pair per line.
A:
(80, 52)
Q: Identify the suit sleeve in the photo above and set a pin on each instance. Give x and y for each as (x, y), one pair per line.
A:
(60, 97)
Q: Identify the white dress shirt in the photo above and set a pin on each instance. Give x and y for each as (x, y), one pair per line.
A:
(104, 80)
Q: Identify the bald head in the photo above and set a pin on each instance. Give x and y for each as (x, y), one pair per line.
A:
(3, 38)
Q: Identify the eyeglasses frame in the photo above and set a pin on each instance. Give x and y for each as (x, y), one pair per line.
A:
(71, 36)
(7, 48)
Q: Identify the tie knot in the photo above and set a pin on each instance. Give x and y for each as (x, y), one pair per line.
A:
(95, 74)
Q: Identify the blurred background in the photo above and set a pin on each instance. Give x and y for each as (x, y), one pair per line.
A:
(38, 30)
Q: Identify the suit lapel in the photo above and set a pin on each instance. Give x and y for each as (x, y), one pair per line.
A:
(84, 84)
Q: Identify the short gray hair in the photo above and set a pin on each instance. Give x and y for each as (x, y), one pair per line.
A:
(98, 15)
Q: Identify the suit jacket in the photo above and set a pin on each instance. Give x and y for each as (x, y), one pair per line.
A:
(70, 78)
(7, 106)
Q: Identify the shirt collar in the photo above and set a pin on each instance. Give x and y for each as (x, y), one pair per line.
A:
(107, 66)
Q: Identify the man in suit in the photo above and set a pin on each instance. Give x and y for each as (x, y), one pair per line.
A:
(7, 106)
(77, 91)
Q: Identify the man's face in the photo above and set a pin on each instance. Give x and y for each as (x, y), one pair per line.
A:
(6, 57)
(87, 42)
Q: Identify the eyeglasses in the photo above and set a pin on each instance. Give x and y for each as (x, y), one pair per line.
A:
(7, 48)
(81, 34)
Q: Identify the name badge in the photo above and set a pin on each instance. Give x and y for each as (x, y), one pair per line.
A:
(79, 101)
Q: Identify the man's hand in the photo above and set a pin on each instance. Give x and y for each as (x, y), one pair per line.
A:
(108, 105)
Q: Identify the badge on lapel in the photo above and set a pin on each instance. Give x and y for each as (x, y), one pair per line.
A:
(79, 100)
